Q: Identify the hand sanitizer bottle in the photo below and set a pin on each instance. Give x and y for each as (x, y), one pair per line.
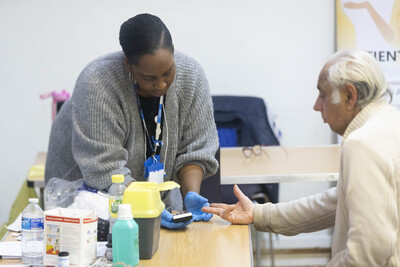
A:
(125, 238)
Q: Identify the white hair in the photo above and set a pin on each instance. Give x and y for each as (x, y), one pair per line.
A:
(360, 69)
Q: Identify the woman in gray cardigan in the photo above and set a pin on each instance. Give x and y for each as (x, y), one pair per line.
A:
(100, 130)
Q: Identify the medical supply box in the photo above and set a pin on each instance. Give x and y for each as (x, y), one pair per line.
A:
(147, 206)
(73, 231)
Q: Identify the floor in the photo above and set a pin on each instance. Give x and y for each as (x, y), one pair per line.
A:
(306, 252)
(294, 258)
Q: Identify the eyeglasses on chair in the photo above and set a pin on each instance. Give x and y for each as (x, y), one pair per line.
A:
(257, 150)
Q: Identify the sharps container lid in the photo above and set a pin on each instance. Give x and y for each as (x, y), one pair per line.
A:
(145, 198)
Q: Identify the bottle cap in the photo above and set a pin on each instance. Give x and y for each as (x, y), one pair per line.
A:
(34, 200)
(118, 178)
(63, 254)
(125, 212)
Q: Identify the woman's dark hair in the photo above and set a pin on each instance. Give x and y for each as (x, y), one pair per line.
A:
(142, 35)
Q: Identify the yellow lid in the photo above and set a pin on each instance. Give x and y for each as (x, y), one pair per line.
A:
(118, 178)
(167, 186)
(145, 199)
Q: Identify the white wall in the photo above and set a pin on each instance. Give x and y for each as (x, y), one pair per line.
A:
(273, 49)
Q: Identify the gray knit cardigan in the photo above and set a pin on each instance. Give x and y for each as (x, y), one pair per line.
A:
(98, 132)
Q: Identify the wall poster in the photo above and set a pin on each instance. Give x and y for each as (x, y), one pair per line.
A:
(375, 27)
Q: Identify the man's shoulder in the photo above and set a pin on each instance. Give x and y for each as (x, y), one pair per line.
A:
(380, 129)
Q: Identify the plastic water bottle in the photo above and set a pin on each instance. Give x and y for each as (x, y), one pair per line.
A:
(125, 238)
(116, 193)
(32, 221)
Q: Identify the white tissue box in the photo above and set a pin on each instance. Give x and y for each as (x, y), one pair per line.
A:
(71, 230)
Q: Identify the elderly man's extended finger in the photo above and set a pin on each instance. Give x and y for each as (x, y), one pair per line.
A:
(219, 205)
(212, 210)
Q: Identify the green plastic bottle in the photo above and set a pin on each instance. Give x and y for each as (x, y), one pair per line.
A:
(125, 238)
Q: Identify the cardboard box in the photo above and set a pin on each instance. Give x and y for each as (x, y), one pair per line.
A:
(71, 230)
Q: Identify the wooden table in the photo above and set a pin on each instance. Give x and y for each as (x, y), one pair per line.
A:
(279, 164)
(214, 243)
(7, 237)
(37, 180)
(204, 244)
(36, 176)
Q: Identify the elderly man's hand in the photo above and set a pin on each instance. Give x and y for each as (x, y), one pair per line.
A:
(240, 213)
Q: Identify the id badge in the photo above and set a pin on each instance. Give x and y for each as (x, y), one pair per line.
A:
(156, 173)
(154, 170)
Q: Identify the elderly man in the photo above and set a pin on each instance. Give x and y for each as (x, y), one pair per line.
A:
(365, 205)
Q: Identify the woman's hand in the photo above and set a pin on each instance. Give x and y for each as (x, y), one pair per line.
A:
(239, 213)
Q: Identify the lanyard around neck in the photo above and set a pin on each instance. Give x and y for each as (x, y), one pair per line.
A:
(154, 142)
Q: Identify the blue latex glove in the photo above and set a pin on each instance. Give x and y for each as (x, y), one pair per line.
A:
(193, 203)
(166, 221)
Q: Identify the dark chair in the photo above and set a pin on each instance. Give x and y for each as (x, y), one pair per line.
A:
(244, 120)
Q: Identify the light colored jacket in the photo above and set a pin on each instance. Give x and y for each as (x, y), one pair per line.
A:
(365, 205)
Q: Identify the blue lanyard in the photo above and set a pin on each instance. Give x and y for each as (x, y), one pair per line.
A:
(155, 141)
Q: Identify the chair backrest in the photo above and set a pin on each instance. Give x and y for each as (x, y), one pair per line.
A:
(241, 121)
(245, 115)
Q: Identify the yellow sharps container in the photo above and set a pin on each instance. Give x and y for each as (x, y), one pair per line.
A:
(147, 206)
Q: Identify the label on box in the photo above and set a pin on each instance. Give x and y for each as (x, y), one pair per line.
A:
(74, 231)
